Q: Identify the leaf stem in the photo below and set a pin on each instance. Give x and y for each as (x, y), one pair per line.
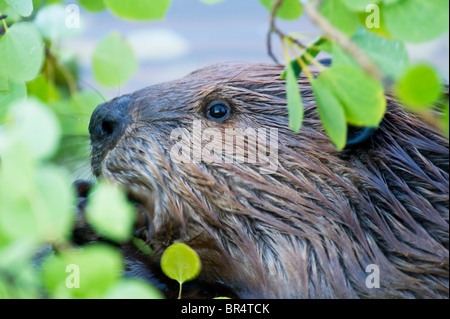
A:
(179, 293)
(285, 51)
(5, 26)
(313, 60)
(305, 68)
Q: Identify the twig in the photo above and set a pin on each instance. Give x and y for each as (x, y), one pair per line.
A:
(68, 76)
(299, 59)
(290, 38)
(341, 39)
(282, 35)
(272, 29)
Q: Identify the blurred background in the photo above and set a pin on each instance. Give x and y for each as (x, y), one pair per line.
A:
(194, 34)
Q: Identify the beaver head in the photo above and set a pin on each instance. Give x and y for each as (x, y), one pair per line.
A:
(272, 213)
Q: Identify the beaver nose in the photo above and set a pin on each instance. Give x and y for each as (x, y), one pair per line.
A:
(108, 122)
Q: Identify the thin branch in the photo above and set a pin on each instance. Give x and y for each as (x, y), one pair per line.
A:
(290, 38)
(283, 36)
(272, 29)
(341, 39)
(68, 76)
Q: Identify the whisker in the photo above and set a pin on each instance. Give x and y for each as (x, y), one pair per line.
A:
(93, 88)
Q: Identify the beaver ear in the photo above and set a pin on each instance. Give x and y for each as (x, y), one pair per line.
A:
(357, 136)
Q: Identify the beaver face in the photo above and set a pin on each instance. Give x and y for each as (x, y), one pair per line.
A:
(272, 213)
(161, 137)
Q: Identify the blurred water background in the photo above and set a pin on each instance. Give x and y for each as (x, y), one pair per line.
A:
(193, 35)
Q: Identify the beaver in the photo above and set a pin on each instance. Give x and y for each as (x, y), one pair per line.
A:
(367, 222)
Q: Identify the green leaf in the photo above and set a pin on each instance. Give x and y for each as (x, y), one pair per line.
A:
(21, 52)
(311, 52)
(142, 246)
(419, 87)
(17, 190)
(340, 16)
(93, 5)
(17, 170)
(18, 252)
(16, 91)
(358, 5)
(180, 262)
(361, 95)
(417, 20)
(4, 86)
(289, 9)
(22, 7)
(109, 213)
(331, 113)
(114, 61)
(133, 289)
(139, 9)
(41, 201)
(389, 1)
(43, 89)
(294, 100)
(56, 199)
(390, 56)
(36, 126)
(93, 269)
(373, 20)
(18, 270)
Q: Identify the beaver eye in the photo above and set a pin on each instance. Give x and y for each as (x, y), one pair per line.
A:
(218, 111)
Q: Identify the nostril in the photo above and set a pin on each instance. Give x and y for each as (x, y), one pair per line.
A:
(108, 127)
(108, 122)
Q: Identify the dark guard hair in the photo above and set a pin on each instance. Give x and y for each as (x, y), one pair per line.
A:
(308, 230)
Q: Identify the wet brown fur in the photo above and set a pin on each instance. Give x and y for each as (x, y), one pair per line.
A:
(310, 229)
